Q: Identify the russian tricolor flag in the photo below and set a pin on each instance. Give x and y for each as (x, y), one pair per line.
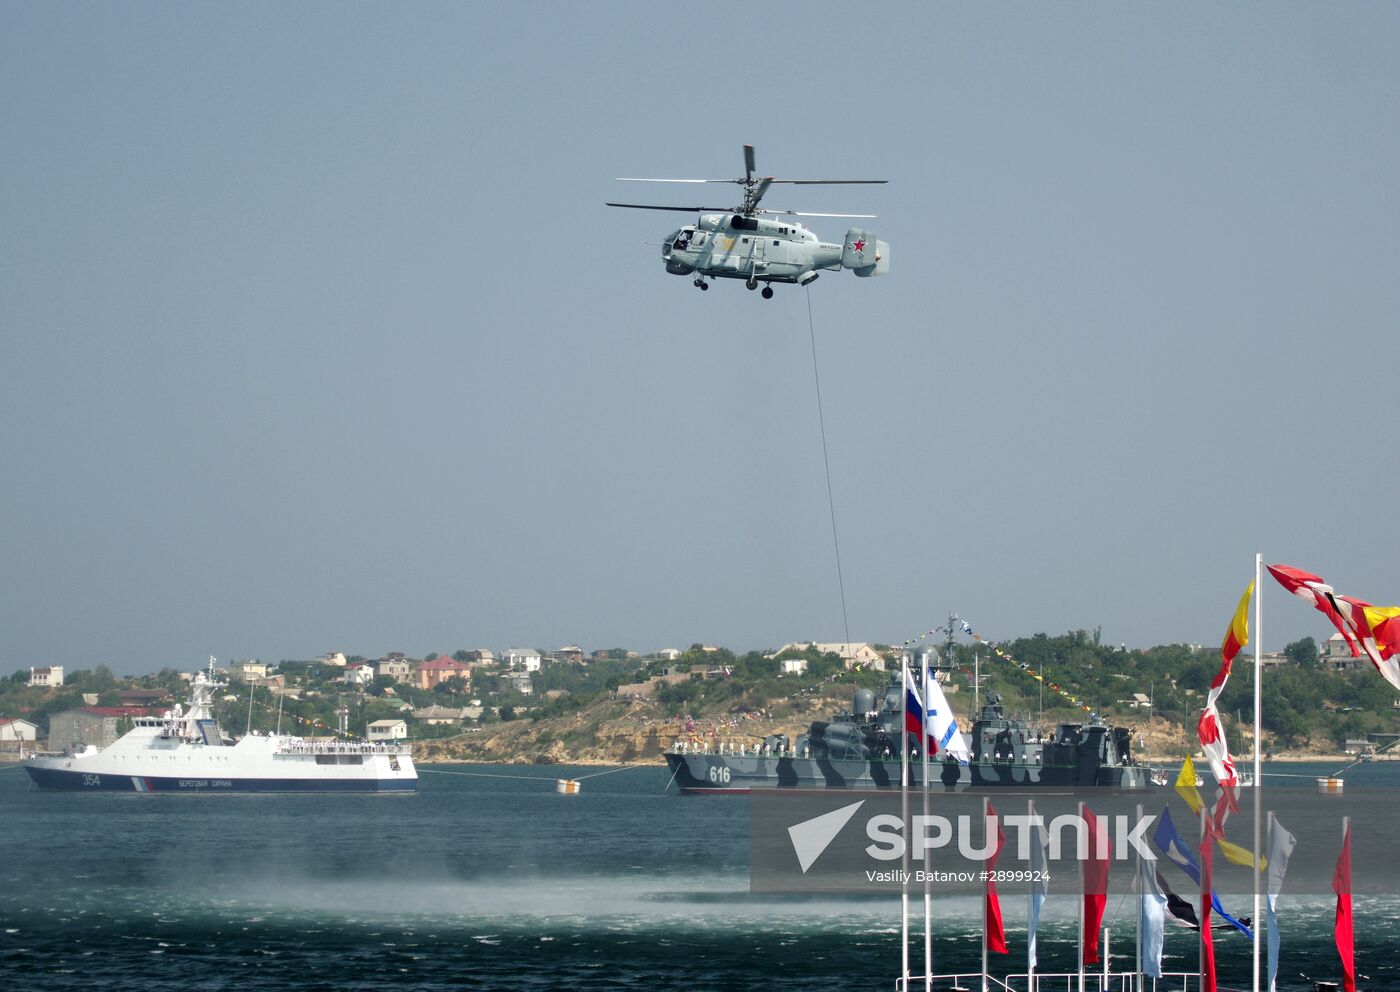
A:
(938, 727)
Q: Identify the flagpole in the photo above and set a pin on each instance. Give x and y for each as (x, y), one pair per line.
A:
(1205, 914)
(985, 883)
(1258, 756)
(928, 883)
(1269, 918)
(1142, 897)
(1083, 826)
(1346, 832)
(904, 821)
(1030, 900)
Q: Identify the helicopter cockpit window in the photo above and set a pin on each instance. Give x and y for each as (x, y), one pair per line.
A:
(698, 239)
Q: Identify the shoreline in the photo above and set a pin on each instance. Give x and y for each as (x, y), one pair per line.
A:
(1155, 761)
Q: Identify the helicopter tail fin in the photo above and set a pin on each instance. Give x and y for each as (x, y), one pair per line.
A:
(864, 254)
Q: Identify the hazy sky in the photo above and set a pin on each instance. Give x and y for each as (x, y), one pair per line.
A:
(315, 333)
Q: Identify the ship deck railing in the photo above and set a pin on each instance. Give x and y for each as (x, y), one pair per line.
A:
(1063, 981)
(341, 748)
(730, 749)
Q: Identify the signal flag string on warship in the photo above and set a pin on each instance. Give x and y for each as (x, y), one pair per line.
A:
(995, 648)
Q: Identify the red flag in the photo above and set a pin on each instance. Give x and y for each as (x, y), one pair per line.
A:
(1207, 943)
(1364, 626)
(1095, 877)
(1312, 589)
(996, 933)
(1341, 929)
(1208, 728)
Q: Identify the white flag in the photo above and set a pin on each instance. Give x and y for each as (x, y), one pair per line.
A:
(1152, 916)
(1039, 873)
(1280, 847)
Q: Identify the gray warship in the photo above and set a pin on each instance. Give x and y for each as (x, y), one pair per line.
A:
(860, 750)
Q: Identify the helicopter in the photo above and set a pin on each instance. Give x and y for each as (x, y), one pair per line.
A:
(756, 244)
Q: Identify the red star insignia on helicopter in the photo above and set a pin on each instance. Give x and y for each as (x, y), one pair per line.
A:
(858, 245)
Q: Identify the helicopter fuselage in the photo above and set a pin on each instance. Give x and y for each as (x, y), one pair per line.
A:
(732, 246)
(742, 243)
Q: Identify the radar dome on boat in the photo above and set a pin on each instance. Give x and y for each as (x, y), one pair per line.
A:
(864, 701)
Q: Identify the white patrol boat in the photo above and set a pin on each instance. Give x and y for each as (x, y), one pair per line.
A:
(184, 751)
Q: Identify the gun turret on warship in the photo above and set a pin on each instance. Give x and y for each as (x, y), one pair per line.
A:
(861, 749)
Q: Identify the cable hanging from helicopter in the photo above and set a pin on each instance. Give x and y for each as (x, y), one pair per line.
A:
(756, 244)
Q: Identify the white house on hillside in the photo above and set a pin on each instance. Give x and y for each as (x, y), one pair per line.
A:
(251, 670)
(852, 655)
(522, 659)
(387, 730)
(51, 676)
(359, 673)
(15, 729)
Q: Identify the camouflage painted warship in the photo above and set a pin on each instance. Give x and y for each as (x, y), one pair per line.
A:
(861, 750)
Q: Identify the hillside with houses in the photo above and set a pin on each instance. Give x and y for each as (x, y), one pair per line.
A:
(570, 705)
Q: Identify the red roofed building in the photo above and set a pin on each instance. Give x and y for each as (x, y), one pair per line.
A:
(427, 674)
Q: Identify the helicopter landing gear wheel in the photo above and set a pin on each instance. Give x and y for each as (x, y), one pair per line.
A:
(752, 284)
(700, 284)
(704, 286)
(767, 292)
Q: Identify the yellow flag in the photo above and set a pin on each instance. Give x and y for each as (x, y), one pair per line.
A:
(1384, 622)
(1238, 634)
(1186, 786)
(1239, 855)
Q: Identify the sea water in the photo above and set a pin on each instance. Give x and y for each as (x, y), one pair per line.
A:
(492, 880)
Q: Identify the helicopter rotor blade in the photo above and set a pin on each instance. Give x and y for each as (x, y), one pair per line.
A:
(748, 164)
(830, 182)
(758, 193)
(803, 213)
(684, 210)
(634, 179)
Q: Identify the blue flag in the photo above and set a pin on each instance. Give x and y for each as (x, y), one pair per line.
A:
(1179, 853)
